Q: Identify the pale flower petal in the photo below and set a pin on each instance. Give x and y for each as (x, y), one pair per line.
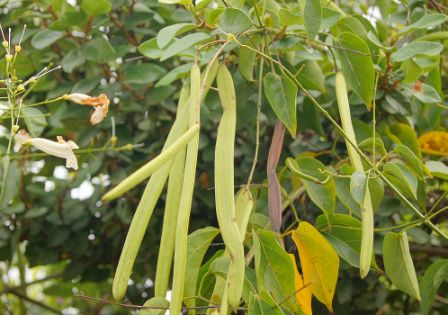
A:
(99, 114)
(62, 150)
(77, 97)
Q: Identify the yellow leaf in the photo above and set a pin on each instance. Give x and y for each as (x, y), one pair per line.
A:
(303, 291)
(320, 263)
(434, 142)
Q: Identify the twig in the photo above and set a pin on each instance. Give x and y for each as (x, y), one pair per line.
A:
(30, 300)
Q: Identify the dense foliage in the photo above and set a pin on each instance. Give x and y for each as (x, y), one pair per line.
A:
(112, 77)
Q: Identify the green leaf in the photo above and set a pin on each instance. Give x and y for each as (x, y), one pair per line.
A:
(411, 159)
(246, 62)
(398, 263)
(274, 269)
(311, 76)
(99, 49)
(430, 283)
(437, 169)
(143, 73)
(156, 302)
(45, 38)
(372, 37)
(416, 48)
(397, 103)
(322, 195)
(263, 304)
(281, 93)
(175, 74)
(402, 178)
(428, 20)
(234, 21)
(35, 121)
(312, 17)
(343, 250)
(197, 244)
(184, 2)
(425, 94)
(167, 34)
(288, 18)
(96, 7)
(367, 145)
(150, 49)
(357, 65)
(72, 60)
(401, 133)
(11, 181)
(412, 71)
(184, 43)
(352, 25)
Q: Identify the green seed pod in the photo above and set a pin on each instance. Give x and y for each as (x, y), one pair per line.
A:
(144, 210)
(355, 158)
(146, 170)
(224, 188)
(183, 219)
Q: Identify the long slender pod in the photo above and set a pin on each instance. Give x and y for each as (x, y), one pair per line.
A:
(174, 192)
(243, 207)
(183, 219)
(224, 187)
(146, 170)
(355, 158)
(145, 208)
(244, 204)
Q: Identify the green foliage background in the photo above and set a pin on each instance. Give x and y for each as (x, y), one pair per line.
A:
(108, 47)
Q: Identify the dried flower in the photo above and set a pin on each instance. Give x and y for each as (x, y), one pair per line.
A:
(434, 142)
(99, 114)
(100, 104)
(61, 149)
(84, 99)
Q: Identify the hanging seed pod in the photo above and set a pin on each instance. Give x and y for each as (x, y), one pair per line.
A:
(183, 219)
(355, 159)
(224, 188)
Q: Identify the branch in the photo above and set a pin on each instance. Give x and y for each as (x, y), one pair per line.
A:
(30, 300)
(431, 250)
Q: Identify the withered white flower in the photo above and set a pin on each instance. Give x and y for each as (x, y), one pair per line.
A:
(61, 148)
(99, 114)
(100, 103)
(77, 97)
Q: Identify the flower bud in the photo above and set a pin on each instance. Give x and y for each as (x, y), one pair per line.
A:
(17, 49)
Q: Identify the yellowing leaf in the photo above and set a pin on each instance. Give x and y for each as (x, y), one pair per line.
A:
(320, 263)
(303, 291)
(434, 142)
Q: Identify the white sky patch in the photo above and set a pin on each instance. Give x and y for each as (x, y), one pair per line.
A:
(168, 298)
(72, 2)
(60, 172)
(70, 311)
(49, 186)
(101, 179)
(35, 166)
(83, 192)
(373, 14)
